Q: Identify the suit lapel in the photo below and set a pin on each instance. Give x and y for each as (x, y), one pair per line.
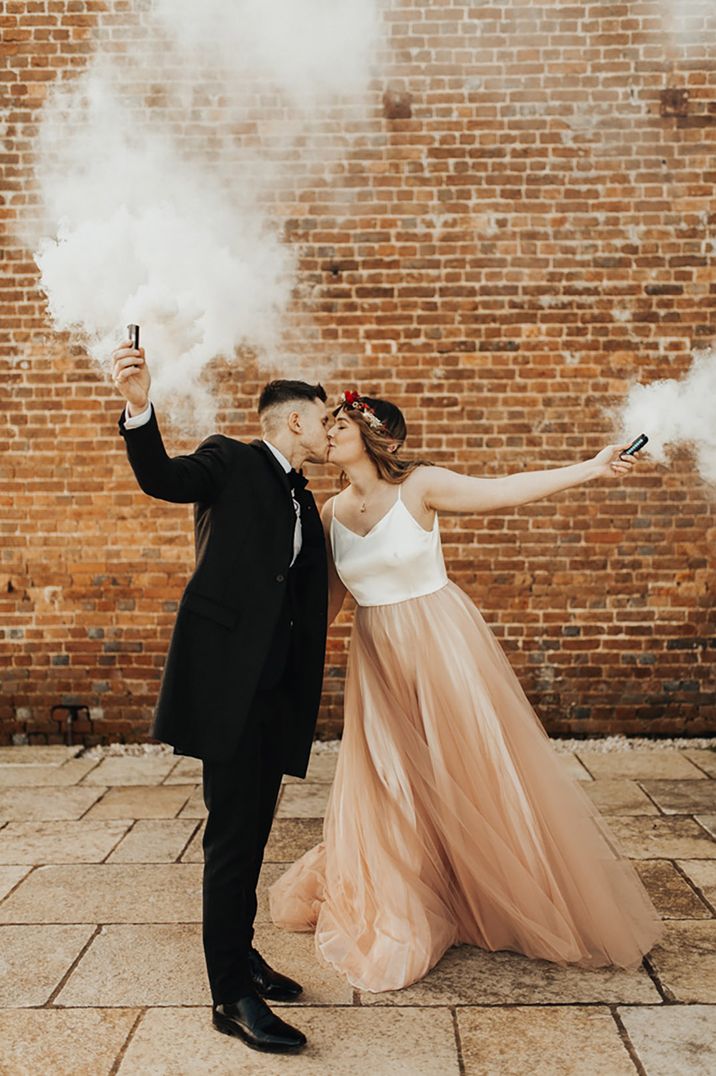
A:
(281, 477)
(275, 465)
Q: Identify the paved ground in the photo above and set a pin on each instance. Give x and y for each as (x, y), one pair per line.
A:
(101, 967)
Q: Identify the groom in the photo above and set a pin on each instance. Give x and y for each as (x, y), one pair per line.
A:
(242, 681)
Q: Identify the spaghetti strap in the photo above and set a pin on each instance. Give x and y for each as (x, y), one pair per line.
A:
(400, 486)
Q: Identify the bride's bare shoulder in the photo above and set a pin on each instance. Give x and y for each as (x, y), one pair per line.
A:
(327, 511)
(420, 479)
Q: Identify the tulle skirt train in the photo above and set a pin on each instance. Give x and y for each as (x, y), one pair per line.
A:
(451, 818)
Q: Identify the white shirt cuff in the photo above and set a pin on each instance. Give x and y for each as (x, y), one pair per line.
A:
(131, 423)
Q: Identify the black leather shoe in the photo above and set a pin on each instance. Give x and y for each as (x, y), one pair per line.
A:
(251, 1020)
(269, 983)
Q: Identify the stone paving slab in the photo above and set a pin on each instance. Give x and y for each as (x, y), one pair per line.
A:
(85, 841)
(154, 840)
(542, 1041)
(673, 1040)
(321, 769)
(467, 975)
(40, 804)
(295, 955)
(62, 1042)
(193, 853)
(702, 873)
(32, 961)
(104, 836)
(69, 773)
(685, 961)
(303, 801)
(194, 807)
(661, 838)
(640, 765)
(163, 964)
(42, 897)
(9, 877)
(270, 872)
(107, 893)
(32, 755)
(141, 801)
(617, 795)
(574, 767)
(682, 797)
(342, 1042)
(186, 772)
(289, 839)
(672, 895)
(131, 770)
(704, 759)
(139, 965)
(708, 822)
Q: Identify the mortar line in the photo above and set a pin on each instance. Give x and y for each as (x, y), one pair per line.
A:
(703, 827)
(697, 765)
(130, 1035)
(89, 771)
(663, 990)
(50, 1001)
(33, 867)
(192, 835)
(695, 888)
(458, 1041)
(88, 809)
(628, 1044)
(132, 821)
(662, 813)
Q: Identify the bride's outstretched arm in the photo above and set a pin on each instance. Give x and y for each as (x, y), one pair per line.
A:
(336, 589)
(448, 491)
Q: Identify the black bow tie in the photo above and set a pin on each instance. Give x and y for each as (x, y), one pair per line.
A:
(296, 480)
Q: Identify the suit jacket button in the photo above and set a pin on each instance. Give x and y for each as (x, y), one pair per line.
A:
(280, 578)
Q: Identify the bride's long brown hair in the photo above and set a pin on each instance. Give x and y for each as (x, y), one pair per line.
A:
(390, 466)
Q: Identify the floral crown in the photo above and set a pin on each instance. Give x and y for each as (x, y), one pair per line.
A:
(355, 402)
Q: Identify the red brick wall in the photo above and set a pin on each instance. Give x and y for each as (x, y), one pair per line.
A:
(524, 225)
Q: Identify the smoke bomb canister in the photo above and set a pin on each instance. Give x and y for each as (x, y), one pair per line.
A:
(133, 331)
(636, 444)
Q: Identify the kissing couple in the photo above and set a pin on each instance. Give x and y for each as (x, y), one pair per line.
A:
(451, 819)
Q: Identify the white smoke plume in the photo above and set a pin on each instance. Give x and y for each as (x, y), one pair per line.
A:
(160, 213)
(677, 412)
(688, 23)
(309, 49)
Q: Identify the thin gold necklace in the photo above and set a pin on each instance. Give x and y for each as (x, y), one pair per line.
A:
(364, 502)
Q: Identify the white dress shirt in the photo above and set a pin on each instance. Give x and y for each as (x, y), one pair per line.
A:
(297, 530)
(132, 422)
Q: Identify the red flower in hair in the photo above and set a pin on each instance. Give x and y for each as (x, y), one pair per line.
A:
(352, 399)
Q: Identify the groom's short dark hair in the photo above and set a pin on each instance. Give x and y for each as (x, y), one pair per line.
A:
(282, 391)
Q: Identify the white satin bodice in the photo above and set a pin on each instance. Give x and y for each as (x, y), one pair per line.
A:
(396, 560)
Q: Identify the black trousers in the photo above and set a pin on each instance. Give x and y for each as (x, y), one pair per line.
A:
(240, 795)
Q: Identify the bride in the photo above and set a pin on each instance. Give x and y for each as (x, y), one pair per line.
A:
(451, 818)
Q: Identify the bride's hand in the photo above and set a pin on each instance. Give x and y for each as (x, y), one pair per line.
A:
(609, 463)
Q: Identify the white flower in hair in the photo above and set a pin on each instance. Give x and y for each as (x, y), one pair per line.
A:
(357, 403)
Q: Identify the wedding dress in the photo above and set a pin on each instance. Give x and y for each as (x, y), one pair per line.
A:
(451, 818)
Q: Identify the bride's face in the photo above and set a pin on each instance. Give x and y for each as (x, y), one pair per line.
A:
(345, 444)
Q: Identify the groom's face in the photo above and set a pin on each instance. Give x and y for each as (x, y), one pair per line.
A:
(314, 436)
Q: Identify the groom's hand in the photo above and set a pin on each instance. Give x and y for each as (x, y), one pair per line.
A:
(130, 374)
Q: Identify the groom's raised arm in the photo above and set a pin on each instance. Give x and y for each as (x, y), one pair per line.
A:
(198, 476)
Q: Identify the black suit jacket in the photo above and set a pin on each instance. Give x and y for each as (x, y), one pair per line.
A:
(244, 523)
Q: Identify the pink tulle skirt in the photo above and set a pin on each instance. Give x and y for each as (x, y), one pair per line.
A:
(451, 818)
